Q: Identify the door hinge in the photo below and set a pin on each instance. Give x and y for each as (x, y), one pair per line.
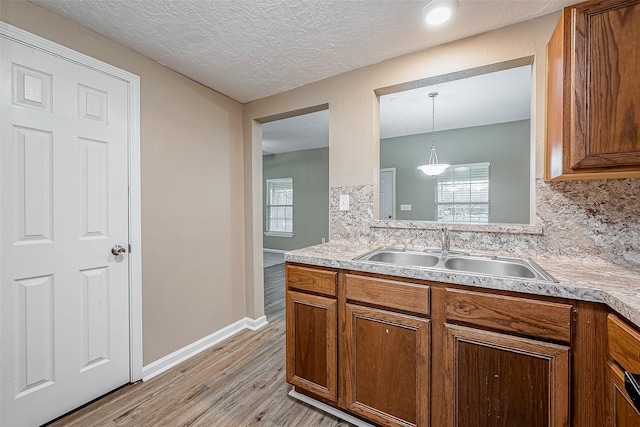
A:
(129, 247)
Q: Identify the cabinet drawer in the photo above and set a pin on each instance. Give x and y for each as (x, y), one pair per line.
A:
(519, 315)
(312, 280)
(624, 343)
(388, 293)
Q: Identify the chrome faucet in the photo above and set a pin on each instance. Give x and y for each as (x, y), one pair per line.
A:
(444, 236)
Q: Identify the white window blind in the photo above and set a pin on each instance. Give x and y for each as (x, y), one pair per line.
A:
(462, 193)
(280, 206)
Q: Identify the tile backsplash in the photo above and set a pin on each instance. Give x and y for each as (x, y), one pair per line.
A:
(579, 219)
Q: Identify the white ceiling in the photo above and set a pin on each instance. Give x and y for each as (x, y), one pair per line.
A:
(296, 133)
(250, 49)
(499, 97)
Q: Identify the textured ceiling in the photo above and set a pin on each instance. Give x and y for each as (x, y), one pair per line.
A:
(250, 49)
(498, 97)
(296, 133)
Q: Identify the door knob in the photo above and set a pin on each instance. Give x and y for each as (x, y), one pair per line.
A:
(118, 250)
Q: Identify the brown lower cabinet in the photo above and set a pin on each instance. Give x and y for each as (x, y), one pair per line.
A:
(624, 355)
(311, 343)
(622, 412)
(498, 380)
(410, 352)
(386, 369)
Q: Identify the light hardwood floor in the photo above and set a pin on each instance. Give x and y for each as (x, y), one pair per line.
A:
(239, 382)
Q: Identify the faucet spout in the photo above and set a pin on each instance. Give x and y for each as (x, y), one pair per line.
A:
(444, 236)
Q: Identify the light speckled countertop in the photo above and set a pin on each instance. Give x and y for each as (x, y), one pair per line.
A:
(580, 279)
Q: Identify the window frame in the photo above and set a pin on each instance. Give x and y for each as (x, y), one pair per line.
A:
(454, 204)
(268, 206)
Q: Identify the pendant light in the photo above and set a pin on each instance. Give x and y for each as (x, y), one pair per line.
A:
(433, 167)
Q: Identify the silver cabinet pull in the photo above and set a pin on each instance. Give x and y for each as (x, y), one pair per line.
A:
(118, 250)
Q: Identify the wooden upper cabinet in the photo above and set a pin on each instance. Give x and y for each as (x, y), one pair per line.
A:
(593, 92)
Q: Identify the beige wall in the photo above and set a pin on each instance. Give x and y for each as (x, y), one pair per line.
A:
(354, 108)
(353, 105)
(192, 190)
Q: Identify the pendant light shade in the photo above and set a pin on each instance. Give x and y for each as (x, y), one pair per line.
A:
(433, 168)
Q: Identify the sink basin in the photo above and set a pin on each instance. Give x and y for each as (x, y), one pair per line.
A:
(401, 257)
(510, 267)
(459, 262)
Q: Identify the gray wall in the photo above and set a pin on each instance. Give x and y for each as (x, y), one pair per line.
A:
(505, 145)
(310, 172)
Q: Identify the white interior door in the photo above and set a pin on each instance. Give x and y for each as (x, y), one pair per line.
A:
(64, 308)
(388, 193)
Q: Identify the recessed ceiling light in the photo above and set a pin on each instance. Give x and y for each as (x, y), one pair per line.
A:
(437, 12)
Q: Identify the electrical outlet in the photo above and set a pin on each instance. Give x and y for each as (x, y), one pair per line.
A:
(344, 202)
(323, 240)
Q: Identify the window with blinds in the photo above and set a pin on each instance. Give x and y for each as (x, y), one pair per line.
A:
(279, 206)
(462, 193)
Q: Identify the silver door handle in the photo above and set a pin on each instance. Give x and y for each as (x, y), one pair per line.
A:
(118, 250)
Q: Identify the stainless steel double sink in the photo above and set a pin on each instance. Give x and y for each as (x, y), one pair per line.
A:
(455, 261)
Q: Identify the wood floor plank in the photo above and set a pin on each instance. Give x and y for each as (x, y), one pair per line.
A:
(239, 382)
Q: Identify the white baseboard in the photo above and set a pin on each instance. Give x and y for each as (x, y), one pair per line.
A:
(275, 251)
(255, 324)
(169, 361)
(329, 409)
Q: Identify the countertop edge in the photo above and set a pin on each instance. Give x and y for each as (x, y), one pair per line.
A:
(622, 299)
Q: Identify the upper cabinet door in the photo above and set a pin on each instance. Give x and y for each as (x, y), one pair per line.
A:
(593, 91)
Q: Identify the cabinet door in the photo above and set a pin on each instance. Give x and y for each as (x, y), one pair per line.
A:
(607, 40)
(387, 366)
(499, 380)
(593, 94)
(311, 344)
(622, 413)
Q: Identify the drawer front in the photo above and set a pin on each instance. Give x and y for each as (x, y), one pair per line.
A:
(312, 280)
(510, 314)
(388, 293)
(624, 343)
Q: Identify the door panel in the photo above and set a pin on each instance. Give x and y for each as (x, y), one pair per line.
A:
(64, 204)
(34, 311)
(622, 412)
(501, 380)
(386, 368)
(311, 343)
(94, 186)
(34, 185)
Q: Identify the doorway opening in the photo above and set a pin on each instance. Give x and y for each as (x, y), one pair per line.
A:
(295, 183)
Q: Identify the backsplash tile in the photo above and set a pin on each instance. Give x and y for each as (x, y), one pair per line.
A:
(351, 225)
(580, 219)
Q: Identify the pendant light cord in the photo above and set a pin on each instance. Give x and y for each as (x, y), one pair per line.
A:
(433, 157)
(433, 121)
